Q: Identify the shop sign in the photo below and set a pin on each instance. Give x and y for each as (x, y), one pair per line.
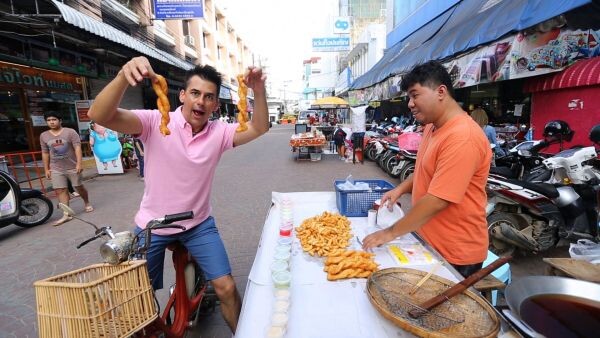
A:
(330, 44)
(341, 25)
(575, 104)
(178, 9)
(82, 107)
(37, 79)
(523, 56)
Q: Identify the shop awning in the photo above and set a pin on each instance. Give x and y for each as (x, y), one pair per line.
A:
(468, 24)
(87, 23)
(581, 73)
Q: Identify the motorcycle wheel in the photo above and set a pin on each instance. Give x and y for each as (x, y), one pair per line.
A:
(390, 163)
(39, 208)
(371, 153)
(408, 170)
(498, 247)
(382, 158)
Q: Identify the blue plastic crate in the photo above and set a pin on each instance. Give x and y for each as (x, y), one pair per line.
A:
(356, 203)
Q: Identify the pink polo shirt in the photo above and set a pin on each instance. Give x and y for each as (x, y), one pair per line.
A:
(179, 168)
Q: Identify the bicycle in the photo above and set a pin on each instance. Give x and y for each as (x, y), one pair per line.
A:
(190, 293)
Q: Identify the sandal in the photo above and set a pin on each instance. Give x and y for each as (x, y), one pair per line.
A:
(89, 208)
(63, 219)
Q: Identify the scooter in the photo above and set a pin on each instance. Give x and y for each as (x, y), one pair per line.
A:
(537, 216)
(23, 207)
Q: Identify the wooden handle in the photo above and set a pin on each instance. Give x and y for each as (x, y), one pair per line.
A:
(457, 288)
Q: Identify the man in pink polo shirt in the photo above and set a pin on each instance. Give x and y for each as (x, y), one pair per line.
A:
(179, 168)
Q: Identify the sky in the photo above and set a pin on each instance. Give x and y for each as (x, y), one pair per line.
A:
(281, 31)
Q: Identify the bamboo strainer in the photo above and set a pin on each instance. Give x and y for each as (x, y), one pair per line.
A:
(465, 315)
(100, 300)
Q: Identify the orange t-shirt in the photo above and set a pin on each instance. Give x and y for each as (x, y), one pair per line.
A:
(453, 163)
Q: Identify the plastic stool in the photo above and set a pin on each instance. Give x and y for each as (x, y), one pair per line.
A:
(502, 273)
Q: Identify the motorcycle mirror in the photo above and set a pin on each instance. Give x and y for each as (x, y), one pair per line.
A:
(67, 210)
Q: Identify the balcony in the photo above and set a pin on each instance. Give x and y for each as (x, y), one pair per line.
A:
(161, 33)
(121, 11)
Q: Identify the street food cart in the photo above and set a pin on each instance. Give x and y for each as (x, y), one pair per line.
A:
(308, 145)
(318, 307)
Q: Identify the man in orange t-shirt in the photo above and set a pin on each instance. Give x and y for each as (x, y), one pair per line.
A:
(448, 185)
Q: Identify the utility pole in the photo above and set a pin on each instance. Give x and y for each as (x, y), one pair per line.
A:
(285, 84)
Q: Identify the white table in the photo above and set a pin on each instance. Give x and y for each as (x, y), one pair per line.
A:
(319, 308)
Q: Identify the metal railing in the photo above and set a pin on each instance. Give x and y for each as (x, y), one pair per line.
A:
(26, 168)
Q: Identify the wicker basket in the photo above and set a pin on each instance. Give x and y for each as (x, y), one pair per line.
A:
(100, 300)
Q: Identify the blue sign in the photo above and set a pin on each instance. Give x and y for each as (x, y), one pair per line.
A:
(342, 24)
(330, 44)
(178, 9)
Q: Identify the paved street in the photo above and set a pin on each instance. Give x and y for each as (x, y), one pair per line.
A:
(241, 197)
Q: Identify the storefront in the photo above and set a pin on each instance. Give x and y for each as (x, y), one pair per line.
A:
(26, 93)
(571, 96)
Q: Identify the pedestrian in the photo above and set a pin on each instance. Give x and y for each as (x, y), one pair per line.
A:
(339, 138)
(448, 184)
(180, 167)
(139, 152)
(480, 116)
(61, 154)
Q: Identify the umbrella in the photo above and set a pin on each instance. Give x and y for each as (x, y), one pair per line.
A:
(329, 102)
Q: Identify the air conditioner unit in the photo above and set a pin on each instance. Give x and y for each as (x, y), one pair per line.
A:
(189, 40)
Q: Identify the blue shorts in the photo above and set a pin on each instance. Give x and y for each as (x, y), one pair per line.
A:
(202, 241)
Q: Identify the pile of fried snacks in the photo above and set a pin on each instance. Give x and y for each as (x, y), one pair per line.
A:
(324, 234)
(349, 264)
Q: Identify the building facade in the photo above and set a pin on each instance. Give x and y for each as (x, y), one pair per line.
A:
(58, 55)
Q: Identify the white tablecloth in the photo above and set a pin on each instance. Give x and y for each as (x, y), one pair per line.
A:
(319, 308)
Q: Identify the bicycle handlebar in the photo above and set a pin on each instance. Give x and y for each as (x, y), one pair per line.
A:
(164, 223)
(178, 217)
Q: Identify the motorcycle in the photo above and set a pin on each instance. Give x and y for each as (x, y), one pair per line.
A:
(23, 207)
(537, 216)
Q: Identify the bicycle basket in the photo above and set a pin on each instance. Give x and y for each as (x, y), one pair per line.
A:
(100, 300)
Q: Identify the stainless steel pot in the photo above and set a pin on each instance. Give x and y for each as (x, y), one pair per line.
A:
(562, 288)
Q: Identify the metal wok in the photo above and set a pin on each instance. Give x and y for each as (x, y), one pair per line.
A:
(564, 292)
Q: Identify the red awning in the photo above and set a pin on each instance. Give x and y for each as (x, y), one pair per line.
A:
(581, 73)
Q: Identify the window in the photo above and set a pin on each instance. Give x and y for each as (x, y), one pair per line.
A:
(40, 53)
(186, 27)
(204, 40)
(12, 47)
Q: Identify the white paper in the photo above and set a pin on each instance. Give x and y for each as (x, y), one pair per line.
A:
(518, 110)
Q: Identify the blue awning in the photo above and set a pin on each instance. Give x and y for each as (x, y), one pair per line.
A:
(466, 25)
(87, 23)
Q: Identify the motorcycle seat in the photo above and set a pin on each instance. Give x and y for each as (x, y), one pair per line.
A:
(545, 189)
(503, 171)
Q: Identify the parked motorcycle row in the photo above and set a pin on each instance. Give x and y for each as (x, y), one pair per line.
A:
(394, 147)
(536, 201)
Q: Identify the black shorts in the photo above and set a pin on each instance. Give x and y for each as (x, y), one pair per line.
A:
(338, 141)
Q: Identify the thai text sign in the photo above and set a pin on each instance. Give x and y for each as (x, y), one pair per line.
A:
(330, 44)
(178, 9)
